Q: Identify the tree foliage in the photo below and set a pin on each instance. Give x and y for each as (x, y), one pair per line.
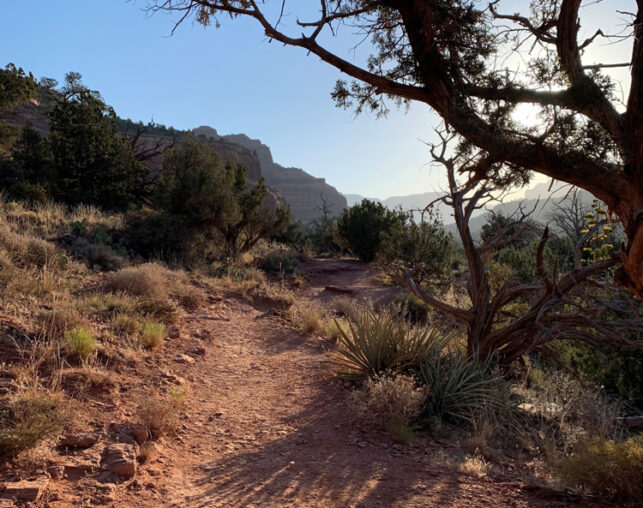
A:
(84, 160)
(205, 209)
(456, 57)
(422, 246)
(363, 226)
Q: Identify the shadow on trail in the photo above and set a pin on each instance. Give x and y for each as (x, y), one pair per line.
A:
(325, 463)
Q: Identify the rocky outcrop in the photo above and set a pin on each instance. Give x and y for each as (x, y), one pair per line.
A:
(305, 193)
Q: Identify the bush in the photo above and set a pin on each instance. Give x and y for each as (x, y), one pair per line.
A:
(29, 417)
(158, 414)
(80, 343)
(127, 325)
(382, 342)
(153, 334)
(363, 225)
(148, 280)
(389, 403)
(279, 261)
(424, 247)
(461, 388)
(608, 469)
(563, 411)
(618, 370)
(308, 319)
(163, 310)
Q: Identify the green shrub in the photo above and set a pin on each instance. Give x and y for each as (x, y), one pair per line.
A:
(363, 225)
(618, 370)
(279, 261)
(608, 469)
(30, 417)
(80, 343)
(424, 247)
(380, 342)
(461, 388)
(153, 334)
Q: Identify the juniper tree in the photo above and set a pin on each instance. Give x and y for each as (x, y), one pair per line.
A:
(453, 55)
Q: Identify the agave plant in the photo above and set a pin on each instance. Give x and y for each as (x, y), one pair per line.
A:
(379, 342)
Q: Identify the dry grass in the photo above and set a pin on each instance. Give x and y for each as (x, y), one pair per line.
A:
(80, 343)
(149, 280)
(158, 413)
(153, 334)
(127, 325)
(608, 469)
(30, 416)
(474, 465)
(308, 318)
(562, 412)
(162, 310)
(252, 284)
(54, 323)
(334, 328)
(389, 403)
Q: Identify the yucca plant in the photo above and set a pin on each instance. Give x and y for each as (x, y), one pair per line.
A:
(460, 387)
(379, 342)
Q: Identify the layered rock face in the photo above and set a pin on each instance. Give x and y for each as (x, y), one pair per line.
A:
(305, 193)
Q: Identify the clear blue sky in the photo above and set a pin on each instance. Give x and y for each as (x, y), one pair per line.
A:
(229, 78)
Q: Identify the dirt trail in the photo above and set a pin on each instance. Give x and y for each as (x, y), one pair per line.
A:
(266, 424)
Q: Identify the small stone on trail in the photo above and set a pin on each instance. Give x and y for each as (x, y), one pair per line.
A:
(199, 351)
(184, 359)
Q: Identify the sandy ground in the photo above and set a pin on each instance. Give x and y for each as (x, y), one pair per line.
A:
(265, 424)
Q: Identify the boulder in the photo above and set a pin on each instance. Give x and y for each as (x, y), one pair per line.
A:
(25, 491)
(120, 458)
(79, 440)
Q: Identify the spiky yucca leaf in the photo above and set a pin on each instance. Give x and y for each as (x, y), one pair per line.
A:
(459, 386)
(379, 342)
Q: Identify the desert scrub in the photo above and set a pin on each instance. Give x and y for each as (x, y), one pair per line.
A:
(159, 413)
(54, 323)
(29, 417)
(149, 280)
(163, 310)
(80, 343)
(127, 325)
(608, 469)
(389, 402)
(308, 318)
(153, 334)
(563, 411)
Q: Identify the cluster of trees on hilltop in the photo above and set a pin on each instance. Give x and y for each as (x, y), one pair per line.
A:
(196, 208)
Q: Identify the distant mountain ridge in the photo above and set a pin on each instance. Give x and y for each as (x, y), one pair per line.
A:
(538, 197)
(305, 193)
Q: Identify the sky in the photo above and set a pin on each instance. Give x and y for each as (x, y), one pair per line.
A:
(234, 80)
